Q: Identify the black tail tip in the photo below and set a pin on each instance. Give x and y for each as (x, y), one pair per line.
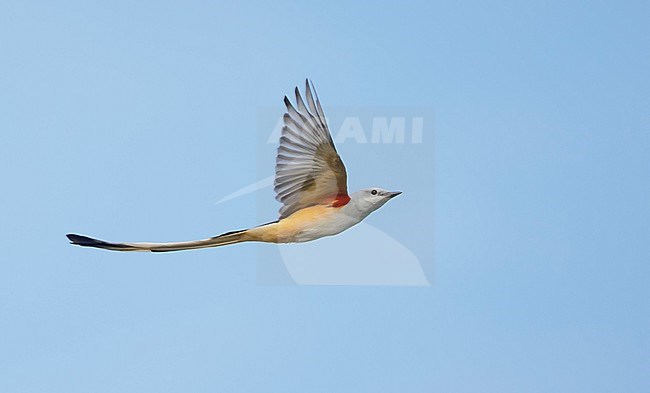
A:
(82, 240)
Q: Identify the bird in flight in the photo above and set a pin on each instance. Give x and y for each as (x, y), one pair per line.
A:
(310, 182)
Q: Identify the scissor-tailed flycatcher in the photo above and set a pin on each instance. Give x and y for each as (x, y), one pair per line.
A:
(310, 182)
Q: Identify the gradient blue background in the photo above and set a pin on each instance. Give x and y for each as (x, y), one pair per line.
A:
(128, 120)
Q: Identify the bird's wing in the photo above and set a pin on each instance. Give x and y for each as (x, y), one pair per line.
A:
(308, 170)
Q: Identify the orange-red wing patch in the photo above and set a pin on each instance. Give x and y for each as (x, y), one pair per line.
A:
(341, 200)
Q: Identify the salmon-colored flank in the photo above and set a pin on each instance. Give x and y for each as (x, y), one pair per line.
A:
(341, 200)
(287, 229)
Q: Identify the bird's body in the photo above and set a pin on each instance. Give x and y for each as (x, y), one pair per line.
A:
(310, 181)
(304, 225)
(313, 222)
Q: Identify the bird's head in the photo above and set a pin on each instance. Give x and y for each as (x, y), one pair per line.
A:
(371, 199)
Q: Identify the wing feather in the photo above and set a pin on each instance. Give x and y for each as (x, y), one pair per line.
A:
(308, 170)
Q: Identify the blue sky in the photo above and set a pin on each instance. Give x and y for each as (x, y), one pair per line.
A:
(128, 121)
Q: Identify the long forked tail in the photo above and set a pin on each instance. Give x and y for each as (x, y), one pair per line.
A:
(221, 240)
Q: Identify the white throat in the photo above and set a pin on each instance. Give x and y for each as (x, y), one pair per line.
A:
(359, 207)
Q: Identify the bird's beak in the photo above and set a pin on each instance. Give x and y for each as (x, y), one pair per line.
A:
(393, 194)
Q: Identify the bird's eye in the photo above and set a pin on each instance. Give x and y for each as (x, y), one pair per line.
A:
(373, 192)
